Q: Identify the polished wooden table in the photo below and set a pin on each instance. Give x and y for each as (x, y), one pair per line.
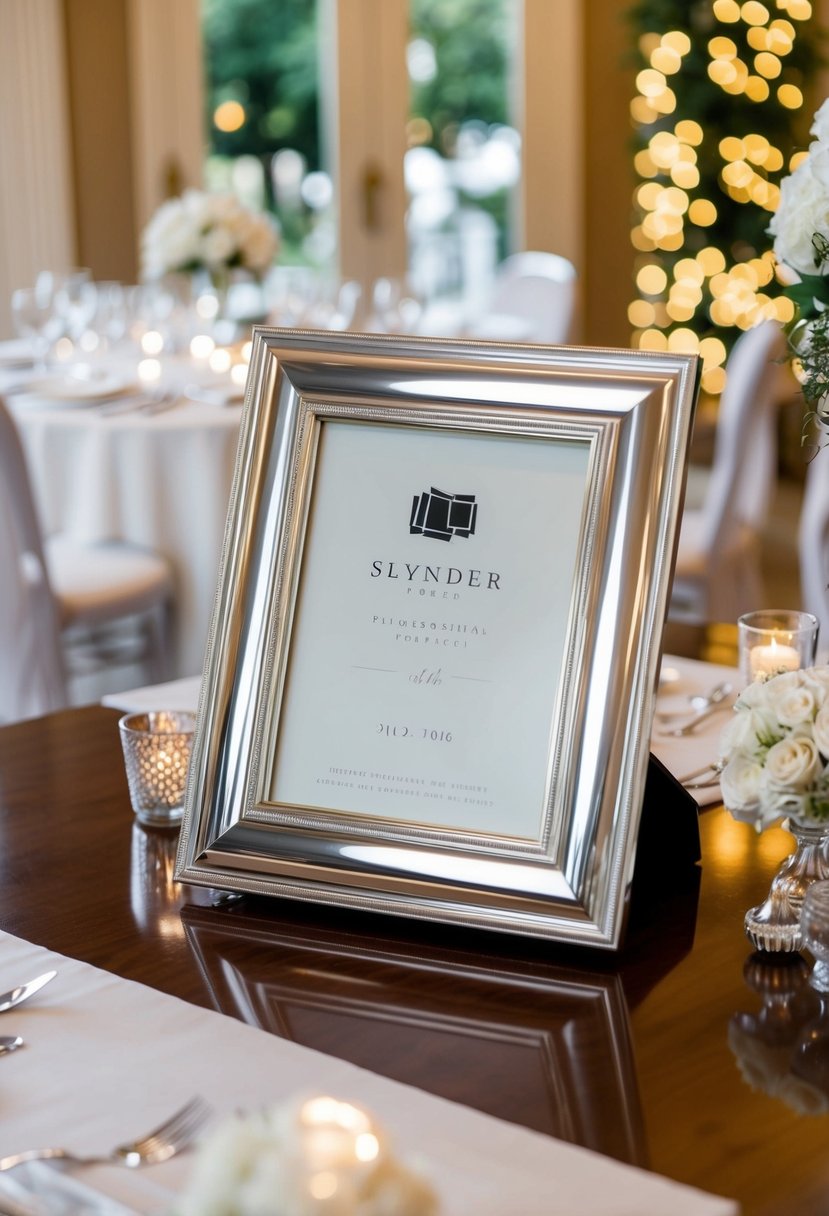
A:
(683, 1053)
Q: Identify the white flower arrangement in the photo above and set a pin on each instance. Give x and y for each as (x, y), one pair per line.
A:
(800, 227)
(315, 1157)
(214, 232)
(774, 753)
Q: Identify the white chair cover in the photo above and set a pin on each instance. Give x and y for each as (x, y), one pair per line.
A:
(32, 679)
(533, 300)
(718, 574)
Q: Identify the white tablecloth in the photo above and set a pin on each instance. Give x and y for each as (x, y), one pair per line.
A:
(161, 480)
(107, 1059)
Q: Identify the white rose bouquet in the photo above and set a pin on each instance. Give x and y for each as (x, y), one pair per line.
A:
(800, 228)
(212, 232)
(306, 1158)
(774, 753)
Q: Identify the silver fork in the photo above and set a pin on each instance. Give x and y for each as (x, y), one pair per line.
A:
(169, 1138)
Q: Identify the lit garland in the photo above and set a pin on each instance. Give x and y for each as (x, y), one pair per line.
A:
(713, 74)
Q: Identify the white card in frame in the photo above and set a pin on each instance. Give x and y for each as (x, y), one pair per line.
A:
(434, 653)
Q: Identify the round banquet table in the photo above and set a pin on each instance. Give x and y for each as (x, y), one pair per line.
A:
(161, 480)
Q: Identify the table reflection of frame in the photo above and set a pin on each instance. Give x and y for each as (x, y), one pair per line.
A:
(541, 1045)
(430, 677)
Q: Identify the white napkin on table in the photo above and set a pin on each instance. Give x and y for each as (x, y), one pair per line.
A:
(689, 753)
(175, 694)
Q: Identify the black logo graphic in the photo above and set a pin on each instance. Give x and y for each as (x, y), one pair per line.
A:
(443, 515)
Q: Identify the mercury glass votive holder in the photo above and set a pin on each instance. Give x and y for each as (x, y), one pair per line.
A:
(775, 640)
(157, 748)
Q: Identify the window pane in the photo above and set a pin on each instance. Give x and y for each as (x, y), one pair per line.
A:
(262, 90)
(463, 162)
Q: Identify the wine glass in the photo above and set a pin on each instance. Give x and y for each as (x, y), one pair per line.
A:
(75, 300)
(34, 319)
(395, 308)
(336, 304)
(109, 320)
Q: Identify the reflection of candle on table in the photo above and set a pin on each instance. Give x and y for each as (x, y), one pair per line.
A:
(767, 661)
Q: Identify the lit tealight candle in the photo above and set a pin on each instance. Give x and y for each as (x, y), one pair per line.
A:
(771, 660)
(149, 371)
(202, 346)
(152, 343)
(220, 360)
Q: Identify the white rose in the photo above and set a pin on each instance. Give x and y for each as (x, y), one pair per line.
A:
(820, 123)
(819, 164)
(198, 206)
(171, 239)
(260, 246)
(218, 246)
(793, 763)
(779, 688)
(749, 731)
(796, 706)
(740, 783)
(817, 678)
(754, 696)
(261, 1163)
(820, 730)
(803, 211)
(777, 803)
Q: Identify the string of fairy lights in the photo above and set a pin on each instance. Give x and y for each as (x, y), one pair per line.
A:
(717, 97)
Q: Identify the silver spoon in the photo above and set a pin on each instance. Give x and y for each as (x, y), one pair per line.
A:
(698, 703)
(16, 996)
(9, 1043)
(714, 696)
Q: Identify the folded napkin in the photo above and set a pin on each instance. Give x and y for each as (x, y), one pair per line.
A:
(175, 694)
(689, 753)
(129, 1056)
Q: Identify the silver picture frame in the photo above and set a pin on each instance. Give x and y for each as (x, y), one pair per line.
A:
(512, 804)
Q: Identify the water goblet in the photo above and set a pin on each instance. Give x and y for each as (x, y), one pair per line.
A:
(34, 319)
(75, 300)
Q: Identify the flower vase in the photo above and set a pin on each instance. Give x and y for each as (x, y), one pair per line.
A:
(774, 925)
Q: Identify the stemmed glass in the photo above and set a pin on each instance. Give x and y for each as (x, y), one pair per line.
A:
(110, 319)
(396, 309)
(34, 318)
(291, 293)
(75, 299)
(336, 304)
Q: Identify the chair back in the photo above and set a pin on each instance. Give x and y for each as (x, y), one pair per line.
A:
(744, 466)
(32, 678)
(538, 289)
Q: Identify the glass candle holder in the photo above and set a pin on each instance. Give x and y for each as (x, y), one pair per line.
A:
(157, 750)
(773, 641)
